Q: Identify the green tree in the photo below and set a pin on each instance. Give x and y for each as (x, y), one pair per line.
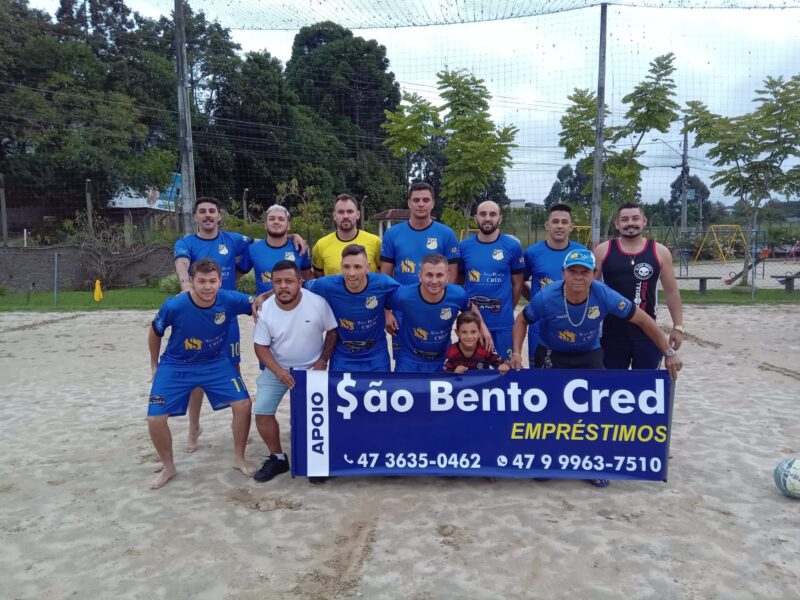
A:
(754, 152)
(696, 191)
(476, 152)
(572, 187)
(650, 106)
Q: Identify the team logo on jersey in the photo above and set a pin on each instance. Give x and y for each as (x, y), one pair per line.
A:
(566, 336)
(420, 333)
(446, 314)
(432, 244)
(454, 249)
(345, 324)
(622, 304)
(408, 266)
(266, 277)
(474, 275)
(223, 249)
(372, 302)
(593, 312)
(643, 271)
(497, 254)
(192, 344)
(545, 281)
(219, 318)
(289, 255)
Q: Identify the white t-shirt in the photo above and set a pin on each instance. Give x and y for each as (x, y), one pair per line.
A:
(295, 336)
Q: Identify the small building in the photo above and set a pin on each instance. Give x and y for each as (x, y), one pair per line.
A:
(387, 218)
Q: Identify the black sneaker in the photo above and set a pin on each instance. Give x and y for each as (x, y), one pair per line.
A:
(317, 480)
(272, 466)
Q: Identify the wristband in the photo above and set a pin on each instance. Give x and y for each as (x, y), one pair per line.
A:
(679, 328)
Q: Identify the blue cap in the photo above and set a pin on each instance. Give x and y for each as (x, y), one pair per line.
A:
(581, 257)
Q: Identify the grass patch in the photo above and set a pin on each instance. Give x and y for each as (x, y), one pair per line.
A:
(736, 295)
(122, 299)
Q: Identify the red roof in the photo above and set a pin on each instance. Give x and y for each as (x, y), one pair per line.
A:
(393, 214)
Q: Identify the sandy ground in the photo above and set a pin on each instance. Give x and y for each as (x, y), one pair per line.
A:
(78, 521)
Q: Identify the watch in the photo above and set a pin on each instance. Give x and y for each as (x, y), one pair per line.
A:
(679, 328)
(670, 352)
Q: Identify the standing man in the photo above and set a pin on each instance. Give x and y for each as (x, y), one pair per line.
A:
(544, 261)
(196, 356)
(405, 244)
(227, 249)
(264, 254)
(632, 266)
(571, 314)
(288, 335)
(357, 298)
(492, 270)
(429, 309)
(326, 257)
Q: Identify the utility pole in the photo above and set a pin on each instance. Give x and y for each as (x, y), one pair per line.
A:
(245, 213)
(3, 215)
(188, 194)
(597, 183)
(89, 215)
(684, 181)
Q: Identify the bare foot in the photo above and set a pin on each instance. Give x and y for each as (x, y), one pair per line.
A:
(163, 477)
(191, 442)
(241, 465)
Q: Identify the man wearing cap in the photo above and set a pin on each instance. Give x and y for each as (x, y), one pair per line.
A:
(570, 314)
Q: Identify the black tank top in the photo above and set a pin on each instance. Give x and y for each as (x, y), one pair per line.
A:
(635, 276)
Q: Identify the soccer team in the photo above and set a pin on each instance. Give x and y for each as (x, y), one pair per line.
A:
(334, 309)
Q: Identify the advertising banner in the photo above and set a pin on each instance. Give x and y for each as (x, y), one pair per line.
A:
(531, 423)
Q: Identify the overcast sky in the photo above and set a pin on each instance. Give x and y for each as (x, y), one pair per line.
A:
(530, 65)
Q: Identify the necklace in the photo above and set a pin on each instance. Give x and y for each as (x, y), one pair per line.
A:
(585, 310)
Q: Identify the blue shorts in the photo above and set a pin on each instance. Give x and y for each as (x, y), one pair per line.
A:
(406, 364)
(232, 342)
(630, 352)
(502, 342)
(173, 384)
(376, 362)
(269, 393)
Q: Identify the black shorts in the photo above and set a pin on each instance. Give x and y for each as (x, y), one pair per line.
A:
(545, 358)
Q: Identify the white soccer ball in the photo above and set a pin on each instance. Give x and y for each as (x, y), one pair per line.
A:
(787, 477)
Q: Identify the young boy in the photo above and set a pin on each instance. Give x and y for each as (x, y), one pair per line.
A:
(469, 353)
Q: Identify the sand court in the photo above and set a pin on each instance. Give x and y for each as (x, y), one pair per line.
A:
(78, 519)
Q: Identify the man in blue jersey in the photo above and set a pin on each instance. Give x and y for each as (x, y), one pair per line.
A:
(357, 298)
(492, 269)
(429, 309)
(226, 248)
(571, 313)
(264, 254)
(196, 356)
(405, 244)
(544, 261)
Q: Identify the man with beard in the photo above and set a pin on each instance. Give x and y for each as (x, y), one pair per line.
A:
(492, 270)
(632, 266)
(326, 257)
(288, 335)
(357, 298)
(544, 261)
(263, 255)
(405, 245)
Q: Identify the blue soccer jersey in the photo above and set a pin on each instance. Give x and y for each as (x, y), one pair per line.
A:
(227, 249)
(426, 330)
(198, 334)
(574, 328)
(487, 269)
(261, 257)
(543, 266)
(405, 247)
(359, 315)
